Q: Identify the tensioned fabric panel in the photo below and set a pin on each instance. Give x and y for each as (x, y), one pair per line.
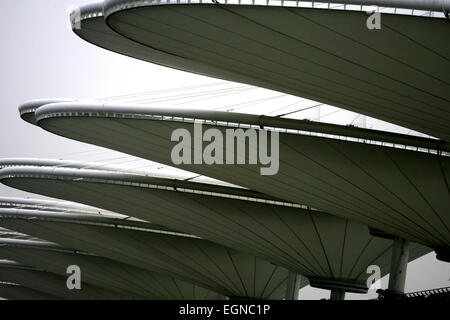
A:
(201, 262)
(402, 192)
(54, 284)
(397, 74)
(95, 30)
(17, 292)
(131, 282)
(9, 234)
(312, 243)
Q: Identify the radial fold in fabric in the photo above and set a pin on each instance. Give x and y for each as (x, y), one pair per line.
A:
(317, 245)
(155, 249)
(397, 73)
(400, 186)
(127, 281)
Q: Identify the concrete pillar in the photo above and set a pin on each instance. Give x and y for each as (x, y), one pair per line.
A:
(399, 264)
(337, 294)
(293, 285)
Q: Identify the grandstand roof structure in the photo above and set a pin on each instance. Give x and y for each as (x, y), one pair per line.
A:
(392, 182)
(324, 248)
(124, 279)
(156, 249)
(323, 54)
(50, 283)
(325, 202)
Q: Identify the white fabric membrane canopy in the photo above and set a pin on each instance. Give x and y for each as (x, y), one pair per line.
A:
(324, 248)
(51, 283)
(397, 73)
(155, 249)
(394, 183)
(124, 279)
(399, 186)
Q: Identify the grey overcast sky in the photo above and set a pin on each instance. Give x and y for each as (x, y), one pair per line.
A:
(42, 58)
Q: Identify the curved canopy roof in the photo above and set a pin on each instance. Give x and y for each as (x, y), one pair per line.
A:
(175, 255)
(12, 291)
(50, 283)
(93, 29)
(397, 73)
(322, 247)
(129, 281)
(11, 235)
(398, 187)
(27, 109)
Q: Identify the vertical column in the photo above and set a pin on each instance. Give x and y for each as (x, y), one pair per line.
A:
(293, 285)
(399, 264)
